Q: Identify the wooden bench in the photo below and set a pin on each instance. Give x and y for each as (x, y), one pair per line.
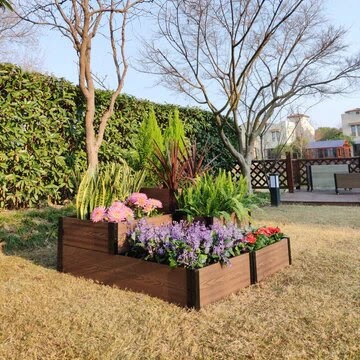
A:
(346, 181)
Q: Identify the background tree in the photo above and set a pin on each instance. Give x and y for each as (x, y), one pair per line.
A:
(81, 21)
(19, 41)
(327, 133)
(245, 59)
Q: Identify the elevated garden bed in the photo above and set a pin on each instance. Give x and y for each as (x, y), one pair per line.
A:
(93, 250)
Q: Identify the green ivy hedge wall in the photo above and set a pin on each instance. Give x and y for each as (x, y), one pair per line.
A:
(42, 135)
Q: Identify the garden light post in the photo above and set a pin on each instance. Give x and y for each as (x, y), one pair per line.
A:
(274, 189)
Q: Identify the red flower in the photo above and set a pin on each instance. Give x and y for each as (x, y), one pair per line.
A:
(274, 230)
(251, 238)
(267, 231)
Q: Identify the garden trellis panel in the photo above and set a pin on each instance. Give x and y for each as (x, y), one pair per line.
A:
(292, 172)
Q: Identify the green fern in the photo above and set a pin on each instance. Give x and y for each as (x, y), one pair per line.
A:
(217, 196)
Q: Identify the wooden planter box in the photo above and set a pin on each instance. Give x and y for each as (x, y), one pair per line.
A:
(91, 250)
(270, 259)
(184, 287)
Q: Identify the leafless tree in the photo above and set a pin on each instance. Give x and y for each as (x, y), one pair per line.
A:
(18, 40)
(80, 21)
(245, 59)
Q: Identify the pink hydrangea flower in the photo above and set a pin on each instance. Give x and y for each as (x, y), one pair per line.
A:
(119, 212)
(138, 199)
(98, 214)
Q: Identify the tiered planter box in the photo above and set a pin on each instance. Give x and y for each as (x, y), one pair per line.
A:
(92, 250)
(108, 238)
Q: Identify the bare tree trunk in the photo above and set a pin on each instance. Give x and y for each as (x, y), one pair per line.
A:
(81, 21)
(246, 172)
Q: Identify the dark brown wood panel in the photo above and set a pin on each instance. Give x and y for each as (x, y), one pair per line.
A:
(128, 273)
(216, 281)
(85, 234)
(59, 264)
(271, 259)
(166, 196)
(349, 181)
(123, 228)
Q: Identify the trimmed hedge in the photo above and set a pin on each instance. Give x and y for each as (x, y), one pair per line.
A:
(42, 135)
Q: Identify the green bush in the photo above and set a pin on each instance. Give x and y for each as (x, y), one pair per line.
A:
(42, 135)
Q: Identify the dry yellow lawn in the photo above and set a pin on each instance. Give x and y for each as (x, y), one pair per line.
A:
(309, 311)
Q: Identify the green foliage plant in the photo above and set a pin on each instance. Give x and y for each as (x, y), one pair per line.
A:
(42, 147)
(215, 196)
(170, 165)
(175, 131)
(110, 182)
(149, 135)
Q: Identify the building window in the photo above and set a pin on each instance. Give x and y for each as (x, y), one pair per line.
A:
(275, 136)
(355, 130)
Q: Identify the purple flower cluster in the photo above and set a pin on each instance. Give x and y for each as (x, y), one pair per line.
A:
(188, 245)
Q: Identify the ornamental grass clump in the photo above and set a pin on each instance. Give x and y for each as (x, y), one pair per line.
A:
(187, 245)
(136, 206)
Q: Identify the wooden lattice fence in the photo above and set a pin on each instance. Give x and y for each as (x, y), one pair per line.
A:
(299, 170)
(260, 169)
(292, 172)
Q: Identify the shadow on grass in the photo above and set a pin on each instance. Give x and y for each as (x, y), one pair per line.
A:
(43, 256)
(32, 234)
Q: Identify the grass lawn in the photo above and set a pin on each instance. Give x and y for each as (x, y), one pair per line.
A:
(309, 311)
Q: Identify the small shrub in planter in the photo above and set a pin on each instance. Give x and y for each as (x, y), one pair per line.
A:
(217, 196)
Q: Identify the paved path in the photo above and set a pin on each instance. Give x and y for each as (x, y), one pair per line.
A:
(322, 197)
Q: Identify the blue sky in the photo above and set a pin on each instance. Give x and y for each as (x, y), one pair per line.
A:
(59, 59)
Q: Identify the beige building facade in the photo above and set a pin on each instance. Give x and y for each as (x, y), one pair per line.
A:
(350, 121)
(295, 126)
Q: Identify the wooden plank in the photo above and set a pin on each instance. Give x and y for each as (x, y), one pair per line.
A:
(128, 273)
(271, 259)
(123, 228)
(166, 197)
(59, 263)
(216, 281)
(348, 181)
(86, 234)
